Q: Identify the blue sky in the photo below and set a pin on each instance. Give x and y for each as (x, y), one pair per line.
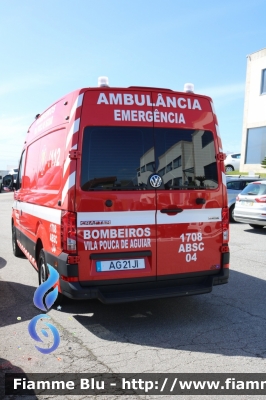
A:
(51, 47)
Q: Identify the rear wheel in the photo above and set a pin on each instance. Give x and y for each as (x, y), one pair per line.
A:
(256, 226)
(16, 250)
(43, 276)
(229, 168)
(43, 269)
(231, 213)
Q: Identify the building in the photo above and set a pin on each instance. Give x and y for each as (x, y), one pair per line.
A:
(192, 156)
(254, 123)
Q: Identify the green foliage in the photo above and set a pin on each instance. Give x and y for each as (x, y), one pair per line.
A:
(263, 163)
(201, 179)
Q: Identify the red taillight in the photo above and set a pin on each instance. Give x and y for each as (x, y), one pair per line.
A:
(69, 232)
(260, 199)
(69, 278)
(225, 224)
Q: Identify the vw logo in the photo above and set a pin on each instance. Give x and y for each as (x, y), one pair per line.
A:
(155, 181)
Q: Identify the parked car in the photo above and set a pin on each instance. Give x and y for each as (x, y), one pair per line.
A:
(235, 185)
(250, 206)
(232, 162)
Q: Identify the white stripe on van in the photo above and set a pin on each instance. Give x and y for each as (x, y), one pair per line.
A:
(224, 178)
(121, 218)
(213, 108)
(191, 216)
(131, 218)
(74, 128)
(77, 104)
(45, 213)
(67, 162)
(218, 131)
(71, 180)
(115, 218)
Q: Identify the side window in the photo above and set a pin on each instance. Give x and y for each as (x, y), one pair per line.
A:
(263, 82)
(50, 162)
(206, 138)
(234, 185)
(21, 170)
(31, 168)
(177, 162)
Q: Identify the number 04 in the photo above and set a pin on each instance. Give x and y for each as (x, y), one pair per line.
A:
(190, 257)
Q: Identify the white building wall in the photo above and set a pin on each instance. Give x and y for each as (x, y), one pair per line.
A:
(254, 105)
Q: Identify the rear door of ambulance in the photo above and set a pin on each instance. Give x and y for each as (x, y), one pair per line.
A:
(115, 208)
(190, 200)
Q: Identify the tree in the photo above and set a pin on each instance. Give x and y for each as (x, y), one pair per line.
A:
(263, 163)
(201, 179)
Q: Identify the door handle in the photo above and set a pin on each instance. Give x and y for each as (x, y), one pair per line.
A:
(171, 210)
(200, 200)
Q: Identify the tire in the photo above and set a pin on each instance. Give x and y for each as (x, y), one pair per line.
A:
(43, 276)
(42, 267)
(256, 226)
(231, 213)
(16, 250)
(229, 168)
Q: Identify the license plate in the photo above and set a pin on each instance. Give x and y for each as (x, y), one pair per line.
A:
(119, 265)
(246, 203)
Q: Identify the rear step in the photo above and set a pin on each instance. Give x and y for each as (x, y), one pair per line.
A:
(127, 292)
(153, 293)
(109, 295)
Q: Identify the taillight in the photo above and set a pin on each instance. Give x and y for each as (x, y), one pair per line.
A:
(260, 199)
(237, 198)
(69, 232)
(225, 224)
(69, 278)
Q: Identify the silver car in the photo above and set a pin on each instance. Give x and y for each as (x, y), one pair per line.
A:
(250, 206)
(235, 185)
(232, 162)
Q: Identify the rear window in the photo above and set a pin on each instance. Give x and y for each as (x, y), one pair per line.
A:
(255, 189)
(123, 158)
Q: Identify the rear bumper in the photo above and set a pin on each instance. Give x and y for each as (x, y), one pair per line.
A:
(250, 220)
(128, 292)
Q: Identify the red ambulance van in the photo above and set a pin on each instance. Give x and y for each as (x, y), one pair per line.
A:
(123, 191)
